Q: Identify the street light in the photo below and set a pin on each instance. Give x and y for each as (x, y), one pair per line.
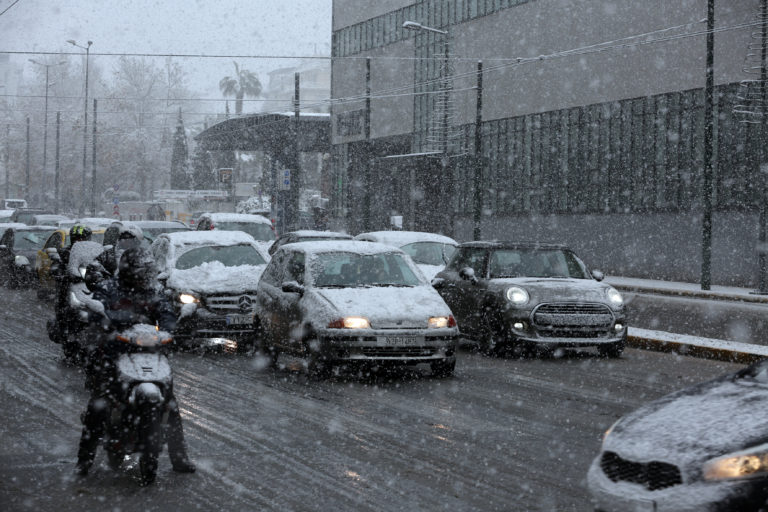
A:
(87, 48)
(412, 25)
(45, 125)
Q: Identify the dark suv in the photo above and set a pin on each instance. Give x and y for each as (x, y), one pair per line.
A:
(531, 297)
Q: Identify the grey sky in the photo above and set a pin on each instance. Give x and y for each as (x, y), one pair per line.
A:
(258, 27)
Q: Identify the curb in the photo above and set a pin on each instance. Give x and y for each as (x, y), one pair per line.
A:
(732, 352)
(756, 299)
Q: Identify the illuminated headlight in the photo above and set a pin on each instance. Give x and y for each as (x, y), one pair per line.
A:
(21, 260)
(350, 322)
(614, 296)
(517, 295)
(519, 326)
(441, 322)
(618, 327)
(742, 465)
(186, 298)
(82, 271)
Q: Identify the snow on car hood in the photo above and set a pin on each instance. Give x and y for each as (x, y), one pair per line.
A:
(545, 289)
(695, 424)
(384, 307)
(430, 271)
(215, 277)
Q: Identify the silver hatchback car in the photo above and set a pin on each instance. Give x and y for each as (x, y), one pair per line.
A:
(343, 302)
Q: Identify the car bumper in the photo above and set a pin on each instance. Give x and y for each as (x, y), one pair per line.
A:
(562, 336)
(400, 346)
(609, 496)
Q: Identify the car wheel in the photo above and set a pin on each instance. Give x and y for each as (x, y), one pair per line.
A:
(443, 369)
(490, 337)
(267, 349)
(319, 367)
(612, 350)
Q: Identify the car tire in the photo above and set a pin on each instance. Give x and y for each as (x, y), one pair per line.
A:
(489, 336)
(611, 350)
(267, 349)
(443, 369)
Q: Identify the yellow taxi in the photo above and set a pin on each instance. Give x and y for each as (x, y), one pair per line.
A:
(57, 240)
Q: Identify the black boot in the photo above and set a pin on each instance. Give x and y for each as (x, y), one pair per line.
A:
(86, 452)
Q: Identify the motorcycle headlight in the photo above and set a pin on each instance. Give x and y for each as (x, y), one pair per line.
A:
(517, 295)
(186, 298)
(614, 296)
(738, 465)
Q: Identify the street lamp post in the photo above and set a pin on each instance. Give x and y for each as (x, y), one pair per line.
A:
(45, 125)
(442, 122)
(87, 48)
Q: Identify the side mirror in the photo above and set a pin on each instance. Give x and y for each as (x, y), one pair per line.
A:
(468, 274)
(163, 276)
(598, 275)
(293, 287)
(438, 282)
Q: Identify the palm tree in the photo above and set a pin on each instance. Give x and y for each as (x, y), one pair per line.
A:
(244, 83)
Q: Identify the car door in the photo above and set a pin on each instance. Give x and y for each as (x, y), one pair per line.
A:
(461, 294)
(290, 307)
(268, 295)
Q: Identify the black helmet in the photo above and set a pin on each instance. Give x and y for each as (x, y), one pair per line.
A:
(79, 233)
(137, 270)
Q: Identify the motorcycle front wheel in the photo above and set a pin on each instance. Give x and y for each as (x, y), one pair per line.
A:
(151, 442)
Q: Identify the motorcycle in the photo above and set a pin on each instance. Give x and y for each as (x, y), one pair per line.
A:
(138, 405)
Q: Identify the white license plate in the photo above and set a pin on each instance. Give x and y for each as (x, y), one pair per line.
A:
(240, 319)
(400, 341)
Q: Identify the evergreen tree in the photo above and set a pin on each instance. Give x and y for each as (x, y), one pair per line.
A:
(180, 158)
(202, 170)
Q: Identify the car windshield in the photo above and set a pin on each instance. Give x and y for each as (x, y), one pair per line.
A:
(536, 263)
(26, 240)
(429, 253)
(350, 270)
(262, 232)
(229, 256)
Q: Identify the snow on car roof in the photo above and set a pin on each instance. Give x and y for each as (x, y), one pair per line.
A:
(12, 225)
(149, 224)
(401, 238)
(99, 222)
(311, 233)
(50, 218)
(237, 217)
(209, 237)
(312, 248)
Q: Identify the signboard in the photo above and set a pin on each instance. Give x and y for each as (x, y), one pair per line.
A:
(225, 175)
(284, 180)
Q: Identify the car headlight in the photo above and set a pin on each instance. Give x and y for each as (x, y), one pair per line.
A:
(350, 322)
(517, 295)
(614, 296)
(441, 322)
(21, 260)
(739, 465)
(186, 298)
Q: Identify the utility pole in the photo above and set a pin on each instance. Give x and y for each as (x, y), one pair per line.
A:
(56, 172)
(26, 190)
(93, 163)
(763, 216)
(294, 193)
(367, 164)
(83, 199)
(7, 160)
(45, 125)
(706, 221)
(478, 178)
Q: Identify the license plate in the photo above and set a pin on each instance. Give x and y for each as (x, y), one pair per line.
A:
(645, 506)
(400, 341)
(246, 319)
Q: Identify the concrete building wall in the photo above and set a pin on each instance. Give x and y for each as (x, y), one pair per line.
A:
(349, 12)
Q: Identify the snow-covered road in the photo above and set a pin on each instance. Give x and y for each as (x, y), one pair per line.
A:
(502, 435)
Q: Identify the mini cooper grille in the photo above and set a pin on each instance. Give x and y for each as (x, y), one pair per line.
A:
(651, 475)
(573, 320)
(231, 303)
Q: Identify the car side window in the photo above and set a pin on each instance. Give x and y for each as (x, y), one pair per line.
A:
(294, 268)
(274, 272)
(53, 241)
(160, 251)
(472, 257)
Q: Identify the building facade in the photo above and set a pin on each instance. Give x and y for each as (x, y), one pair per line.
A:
(591, 131)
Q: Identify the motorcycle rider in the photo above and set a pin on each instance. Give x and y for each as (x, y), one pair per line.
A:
(118, 238)
(77, 233)
(130, 298)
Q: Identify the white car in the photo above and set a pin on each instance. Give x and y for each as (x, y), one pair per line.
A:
(212, 277)
(260, 228)
(429, 251)
(343, 302)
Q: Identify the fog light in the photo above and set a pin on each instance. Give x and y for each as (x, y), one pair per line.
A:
(618, 327)
(519, 326)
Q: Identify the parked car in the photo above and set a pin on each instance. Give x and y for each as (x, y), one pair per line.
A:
(27, 215)
(531, 297)
(18, 252)
(306, 236)
(343, 302)
(212, 277)
(701, 448)
(429, 251)
(43, 259)
(5, 215)
(154, 228)
(91, 222)
(12, 204)
(260, 228)
(47, 219)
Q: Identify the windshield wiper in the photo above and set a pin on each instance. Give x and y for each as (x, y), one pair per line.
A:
(398, 285)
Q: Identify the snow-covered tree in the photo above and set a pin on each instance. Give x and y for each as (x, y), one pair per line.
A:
(180, 158)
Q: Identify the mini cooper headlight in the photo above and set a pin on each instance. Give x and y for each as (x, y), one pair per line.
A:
(517, 295)
(738, 465)
(186, 298)
(614, 296)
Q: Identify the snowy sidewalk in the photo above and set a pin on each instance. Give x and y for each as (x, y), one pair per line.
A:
(732, 293)
(696, 346)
